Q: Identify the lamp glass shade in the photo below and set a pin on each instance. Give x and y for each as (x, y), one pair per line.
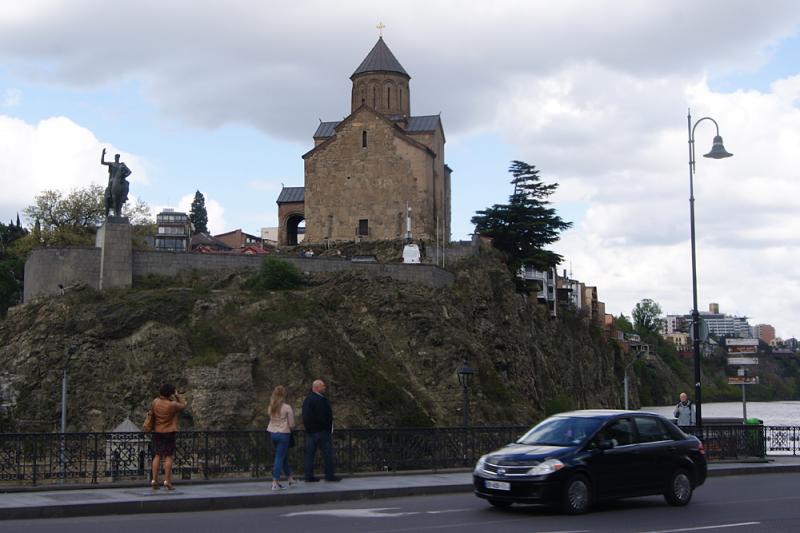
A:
(718, 150)
(464, 374)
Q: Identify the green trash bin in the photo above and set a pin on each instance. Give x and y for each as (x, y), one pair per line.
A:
(754, 437)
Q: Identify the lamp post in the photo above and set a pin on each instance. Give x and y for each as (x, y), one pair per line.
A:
(717, 152)
(465, 373)
(625, 380)
(70, 353)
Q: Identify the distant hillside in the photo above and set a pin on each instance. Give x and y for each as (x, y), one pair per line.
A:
(388, 351)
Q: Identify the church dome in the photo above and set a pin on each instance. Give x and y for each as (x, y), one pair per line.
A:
(380, 59)
(381, 82)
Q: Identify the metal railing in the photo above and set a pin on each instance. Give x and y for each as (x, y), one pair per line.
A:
(726, 442)
(46, 458)
(42, 458)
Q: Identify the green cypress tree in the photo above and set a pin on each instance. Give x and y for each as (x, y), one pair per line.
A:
(526, 224)
(198, 214)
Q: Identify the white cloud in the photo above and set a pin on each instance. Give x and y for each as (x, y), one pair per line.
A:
(593, 93)
(243, 62)
(55, 153)
(634, 240)
(11, 98)
(264, 186)
(216, 213)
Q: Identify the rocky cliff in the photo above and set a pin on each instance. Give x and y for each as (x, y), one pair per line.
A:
(388, 351)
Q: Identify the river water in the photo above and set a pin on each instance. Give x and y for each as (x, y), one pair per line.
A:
(772, 413)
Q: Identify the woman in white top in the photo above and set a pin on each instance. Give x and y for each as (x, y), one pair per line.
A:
(281, 424)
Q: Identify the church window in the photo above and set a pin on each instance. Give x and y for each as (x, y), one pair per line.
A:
(363, 139)
(374, 97)
(363, 227)
(388, 97)
(400, 97)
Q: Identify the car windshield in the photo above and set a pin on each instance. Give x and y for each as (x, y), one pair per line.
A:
(561, 431)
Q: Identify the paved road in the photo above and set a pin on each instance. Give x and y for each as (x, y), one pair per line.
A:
(752, 503)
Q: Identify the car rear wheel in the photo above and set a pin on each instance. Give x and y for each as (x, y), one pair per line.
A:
(680, 489)
(500, 503)
(577, 495)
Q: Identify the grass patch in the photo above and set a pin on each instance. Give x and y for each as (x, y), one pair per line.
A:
(285, 310)
(209, 345)
(559, 404)
(275, 275)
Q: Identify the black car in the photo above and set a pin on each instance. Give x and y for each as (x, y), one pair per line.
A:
(573, 459)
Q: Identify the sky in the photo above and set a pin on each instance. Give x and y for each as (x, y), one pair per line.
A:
(224, 98)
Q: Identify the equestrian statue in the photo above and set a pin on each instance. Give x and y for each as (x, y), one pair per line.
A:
(117, 190)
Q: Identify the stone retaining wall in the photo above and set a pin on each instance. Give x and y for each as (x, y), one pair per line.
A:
(170, 263)
(46, 268)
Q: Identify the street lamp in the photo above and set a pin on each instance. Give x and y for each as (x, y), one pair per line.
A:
(70, 353)
(625, 380)
(465, 373)
(717, 152)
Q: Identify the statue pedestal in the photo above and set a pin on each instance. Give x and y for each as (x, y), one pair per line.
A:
(116, 253)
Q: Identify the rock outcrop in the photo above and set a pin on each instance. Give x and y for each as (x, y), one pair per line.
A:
(388, 351)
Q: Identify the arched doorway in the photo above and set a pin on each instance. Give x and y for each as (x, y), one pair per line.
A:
(295, 229)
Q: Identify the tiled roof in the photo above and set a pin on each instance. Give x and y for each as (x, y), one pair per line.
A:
(413, 125)
(204, 239)
(291, 194)
(426, 123)
(325, 130)
(380, 59)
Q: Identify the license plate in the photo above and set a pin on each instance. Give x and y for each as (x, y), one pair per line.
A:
(498, 485)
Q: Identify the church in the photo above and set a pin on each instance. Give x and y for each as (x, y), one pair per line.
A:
(370, 172)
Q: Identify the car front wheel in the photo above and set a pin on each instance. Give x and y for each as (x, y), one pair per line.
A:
(577, 495)
(679, 492)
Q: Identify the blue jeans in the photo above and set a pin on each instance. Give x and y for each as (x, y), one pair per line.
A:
(281, 442)
(322, 440)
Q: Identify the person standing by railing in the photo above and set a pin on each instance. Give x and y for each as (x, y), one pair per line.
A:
(684, 411)
(165, 411)
(318, 422)
(281, 424)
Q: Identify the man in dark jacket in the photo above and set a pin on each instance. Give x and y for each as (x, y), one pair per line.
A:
(318, 422)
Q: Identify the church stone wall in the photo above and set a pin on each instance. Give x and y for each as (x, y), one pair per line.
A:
(440, 185)
(346, 182)
(287, 210)
(371, 89)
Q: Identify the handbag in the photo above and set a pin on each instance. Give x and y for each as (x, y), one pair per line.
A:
(149, 421)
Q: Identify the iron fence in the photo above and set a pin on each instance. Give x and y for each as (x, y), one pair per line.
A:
(40, 458)
(727, 442)
(43, 458)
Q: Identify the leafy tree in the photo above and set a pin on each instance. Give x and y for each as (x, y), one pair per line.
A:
(523, 227)
(198, 214)
(72, 219)
(79, 210)
(12, 266)
(647, 317)
(10, 233)
(623, 324)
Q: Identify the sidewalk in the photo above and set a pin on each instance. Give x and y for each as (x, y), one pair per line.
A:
(45, 502)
